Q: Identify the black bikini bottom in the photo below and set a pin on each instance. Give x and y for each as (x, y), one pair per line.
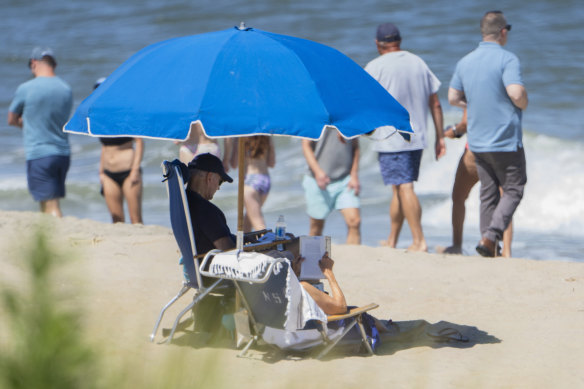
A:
(118, 177)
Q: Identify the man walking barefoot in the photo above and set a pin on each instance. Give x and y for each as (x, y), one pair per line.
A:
(411, 82)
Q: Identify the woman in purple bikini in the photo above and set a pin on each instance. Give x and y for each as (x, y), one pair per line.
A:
(259, 156)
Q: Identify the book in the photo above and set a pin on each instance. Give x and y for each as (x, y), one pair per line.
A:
(312, 248)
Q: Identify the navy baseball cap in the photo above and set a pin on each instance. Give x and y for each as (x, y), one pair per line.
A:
(209, 163)
(388, 32)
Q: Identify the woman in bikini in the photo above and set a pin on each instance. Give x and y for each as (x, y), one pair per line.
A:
(259, 156)
(197, 143)
(121, 176)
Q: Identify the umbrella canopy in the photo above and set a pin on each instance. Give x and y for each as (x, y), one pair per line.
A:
(237, 82)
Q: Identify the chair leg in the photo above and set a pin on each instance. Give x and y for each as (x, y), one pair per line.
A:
(247, 346)
(197, 298)
(333, 344)
(364, 335)
(183, 290)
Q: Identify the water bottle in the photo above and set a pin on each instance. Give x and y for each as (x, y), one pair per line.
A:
(280, 228)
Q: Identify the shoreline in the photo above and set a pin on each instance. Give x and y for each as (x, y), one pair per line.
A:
(529, 312)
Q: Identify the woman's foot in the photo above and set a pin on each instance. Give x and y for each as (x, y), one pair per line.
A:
(418, 247)
(385, 243)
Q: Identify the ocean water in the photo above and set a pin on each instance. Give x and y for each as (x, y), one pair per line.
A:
(91, 38)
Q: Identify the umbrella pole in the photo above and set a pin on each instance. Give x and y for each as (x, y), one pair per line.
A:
(241, 160)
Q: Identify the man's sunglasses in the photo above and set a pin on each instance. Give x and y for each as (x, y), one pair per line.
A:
(507, 27)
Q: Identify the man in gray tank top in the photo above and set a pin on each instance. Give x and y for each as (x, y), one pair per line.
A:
(332, 182)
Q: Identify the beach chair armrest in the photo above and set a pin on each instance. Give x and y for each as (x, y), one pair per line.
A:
(352, 312)
(207, 256)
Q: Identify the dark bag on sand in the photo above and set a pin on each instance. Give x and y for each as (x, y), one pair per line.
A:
(209, 312)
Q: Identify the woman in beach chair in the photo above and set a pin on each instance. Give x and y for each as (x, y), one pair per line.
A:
(290, 314)
(333, 303)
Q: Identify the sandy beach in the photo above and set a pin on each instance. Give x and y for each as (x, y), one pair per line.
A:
(524, 318)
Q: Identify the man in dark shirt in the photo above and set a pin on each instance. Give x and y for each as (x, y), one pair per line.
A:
(206, 174)
(209, 224)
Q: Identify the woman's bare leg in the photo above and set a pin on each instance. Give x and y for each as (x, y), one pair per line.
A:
(465, 179)
(253, 201)
(113, 196)
(132, 190)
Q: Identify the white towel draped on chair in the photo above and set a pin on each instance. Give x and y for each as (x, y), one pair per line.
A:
(240, 265)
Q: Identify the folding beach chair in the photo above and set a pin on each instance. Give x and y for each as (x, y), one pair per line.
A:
(182, 229)
(279, 308)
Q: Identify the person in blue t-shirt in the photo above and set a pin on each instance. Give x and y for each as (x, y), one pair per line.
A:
(488, 83)
(41, 107)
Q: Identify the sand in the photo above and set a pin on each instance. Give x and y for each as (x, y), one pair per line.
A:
(525, 318)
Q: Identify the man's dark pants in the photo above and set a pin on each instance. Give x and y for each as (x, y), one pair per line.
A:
(508, 171)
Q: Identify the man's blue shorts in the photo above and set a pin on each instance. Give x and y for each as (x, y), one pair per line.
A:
(401, 167)
(46, 177)
(337, 195)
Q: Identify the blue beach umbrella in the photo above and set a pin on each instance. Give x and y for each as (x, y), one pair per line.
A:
(238, 82)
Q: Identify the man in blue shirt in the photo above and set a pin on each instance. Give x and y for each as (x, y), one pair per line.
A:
(488, 83)
(41, 107)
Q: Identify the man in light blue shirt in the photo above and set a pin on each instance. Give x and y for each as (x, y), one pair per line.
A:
(488, 83)
(41, 107)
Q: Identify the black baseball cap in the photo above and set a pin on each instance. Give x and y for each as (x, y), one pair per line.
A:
(209, 163)
(388, 32)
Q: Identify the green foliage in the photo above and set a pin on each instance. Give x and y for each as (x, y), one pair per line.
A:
(45, 344)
